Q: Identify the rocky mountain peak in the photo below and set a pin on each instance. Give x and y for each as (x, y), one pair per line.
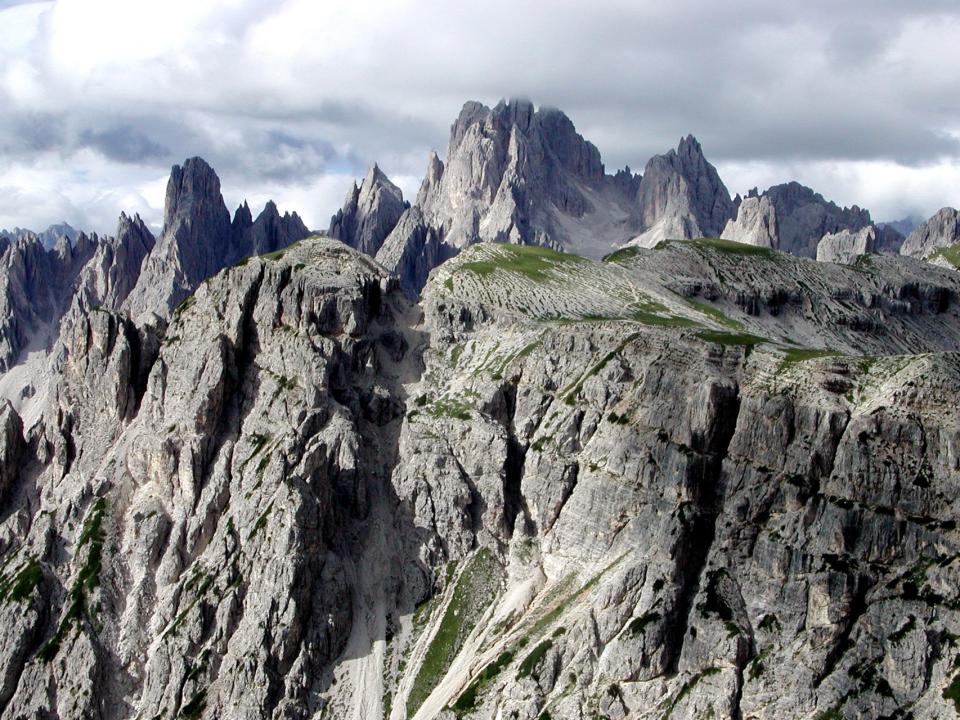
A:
(519, 174)
(681, 196)
(940, 231)
(193, 193)
(198, 238)
(369, 212)
(242, 217)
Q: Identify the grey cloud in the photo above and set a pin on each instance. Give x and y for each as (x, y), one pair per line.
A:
(779, 83)
(124, 144)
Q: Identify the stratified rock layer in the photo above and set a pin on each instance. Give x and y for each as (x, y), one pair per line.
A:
(706, 479)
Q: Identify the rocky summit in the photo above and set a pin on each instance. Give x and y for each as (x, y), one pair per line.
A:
(439, 467)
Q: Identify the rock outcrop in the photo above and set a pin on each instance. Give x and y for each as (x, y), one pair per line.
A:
(681, 196)
(36, 286)
(940, 231)
(369, 213)
(804, 216)
(199, 239)
(194, 244)
(270, 232)
(755, 223)
(793, 218)
(518, 175)
(706, 479)
(11, 449)
(846, 246)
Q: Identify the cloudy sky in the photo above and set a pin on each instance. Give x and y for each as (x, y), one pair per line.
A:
(291, 99)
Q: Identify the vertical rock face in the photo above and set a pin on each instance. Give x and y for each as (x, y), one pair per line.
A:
(198, 239)
(36, 286)
(681, 197)
(11, 449)
(414, 248)
(369, 213)
(940, 231)
(755, 223)
(793, 218)
(804, 217)
(268, 233)
(846, 246)
(306, 498)
(194, 244)
(513, 174)
(112, 273)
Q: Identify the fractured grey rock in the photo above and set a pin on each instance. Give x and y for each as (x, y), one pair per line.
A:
(369, 213)
(681, 196)
(514, 174)
(940, 231)
(846, 246)
(804, 216)
(755, 223)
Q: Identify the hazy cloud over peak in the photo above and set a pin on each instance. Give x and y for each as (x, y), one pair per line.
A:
(291, 99)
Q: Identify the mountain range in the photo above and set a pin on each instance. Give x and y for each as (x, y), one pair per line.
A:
(542, 442)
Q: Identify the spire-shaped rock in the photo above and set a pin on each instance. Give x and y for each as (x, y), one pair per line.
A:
(194, 244)
(681, 196)
(369, 213)
(199, 240)
(269, 232)
(514, 173)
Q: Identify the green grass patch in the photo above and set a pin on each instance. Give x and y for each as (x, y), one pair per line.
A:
(87, 579)
(20, 585)
(193, 710)
(726, 246)
(468, 698)
(715, 314)
(276, 254)
(639, 624)
(261, 522)
(731, 338)
(951, 254)
(571, 395)
(686, 688)
(475, 589)
(621, 255)
(792, 356)
(952, 692)
(187, 303)
(532, 261)
(499, 365)
(450, 408)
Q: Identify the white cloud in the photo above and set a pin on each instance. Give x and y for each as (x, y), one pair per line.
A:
(292, 98)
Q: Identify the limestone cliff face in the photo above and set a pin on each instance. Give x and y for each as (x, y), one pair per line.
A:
(681, 196)
(36, 286)
(755, 223)
(514, 174)
(369, 213)
(794, 219)
(707, 479)
(846, 246)
(805, 217)
(940, 231)
(199, 239)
